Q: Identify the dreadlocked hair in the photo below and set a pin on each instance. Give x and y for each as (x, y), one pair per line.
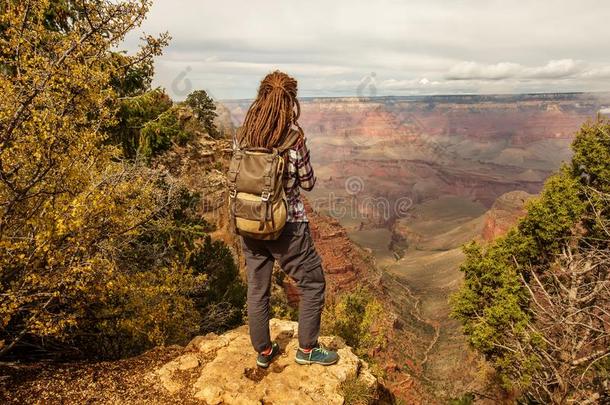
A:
(272, 113)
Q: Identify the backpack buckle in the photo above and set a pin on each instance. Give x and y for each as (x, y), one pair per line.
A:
(265, 196)
(233, 193)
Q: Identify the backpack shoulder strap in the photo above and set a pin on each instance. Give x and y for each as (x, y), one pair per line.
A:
(239, 137)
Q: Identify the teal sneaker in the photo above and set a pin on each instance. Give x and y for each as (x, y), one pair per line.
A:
(318, 355)
(264, 360)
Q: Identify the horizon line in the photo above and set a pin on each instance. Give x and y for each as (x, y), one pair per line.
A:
(364, 98)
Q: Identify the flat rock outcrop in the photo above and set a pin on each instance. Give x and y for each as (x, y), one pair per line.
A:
(221, 369)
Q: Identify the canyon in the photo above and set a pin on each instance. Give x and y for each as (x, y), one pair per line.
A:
(409, 180)
(402, 184)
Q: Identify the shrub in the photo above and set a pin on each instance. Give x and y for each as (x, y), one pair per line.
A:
(511, 285)
(158, 135)
(222, 298)
(356, 392)
(133, 114)
(358, 317)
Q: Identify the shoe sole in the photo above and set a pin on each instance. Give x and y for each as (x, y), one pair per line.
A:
(309, 362)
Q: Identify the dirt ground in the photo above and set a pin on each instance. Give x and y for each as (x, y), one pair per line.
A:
(113, 382)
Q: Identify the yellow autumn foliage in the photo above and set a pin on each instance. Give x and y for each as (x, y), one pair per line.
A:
(81, 262)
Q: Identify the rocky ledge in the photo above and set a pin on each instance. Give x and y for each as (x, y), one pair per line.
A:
(221, 369)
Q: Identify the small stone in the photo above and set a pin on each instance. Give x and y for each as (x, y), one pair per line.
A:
(165, 374)
(367, 377)
(187, 362)
(211, 395)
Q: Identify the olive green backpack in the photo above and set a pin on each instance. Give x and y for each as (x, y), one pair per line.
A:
(257, 199)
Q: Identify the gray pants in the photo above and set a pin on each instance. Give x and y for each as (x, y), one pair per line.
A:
(298, 258)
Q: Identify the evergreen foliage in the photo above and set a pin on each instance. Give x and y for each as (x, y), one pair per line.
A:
(500, 304)
(205, 109)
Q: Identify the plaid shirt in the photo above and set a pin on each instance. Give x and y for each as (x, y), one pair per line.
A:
(298, 173)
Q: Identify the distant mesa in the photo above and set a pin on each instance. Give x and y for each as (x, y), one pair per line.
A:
(504, 213)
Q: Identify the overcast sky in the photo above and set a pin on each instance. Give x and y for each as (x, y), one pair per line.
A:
(390, 47)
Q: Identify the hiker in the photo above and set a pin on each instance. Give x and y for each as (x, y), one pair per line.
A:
(275, 226)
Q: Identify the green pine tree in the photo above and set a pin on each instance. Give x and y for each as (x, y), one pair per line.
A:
(204, 107)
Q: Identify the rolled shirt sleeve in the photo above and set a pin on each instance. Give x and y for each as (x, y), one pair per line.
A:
(306, 175)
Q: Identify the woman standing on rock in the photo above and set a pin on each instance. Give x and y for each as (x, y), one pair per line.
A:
(267, 124)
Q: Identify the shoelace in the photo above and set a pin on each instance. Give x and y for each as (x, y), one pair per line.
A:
(319, 348)
(323, 350)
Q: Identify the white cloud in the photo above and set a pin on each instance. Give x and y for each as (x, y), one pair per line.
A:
(475, 71)
(602, 72)
(419, 45)
(554, 69)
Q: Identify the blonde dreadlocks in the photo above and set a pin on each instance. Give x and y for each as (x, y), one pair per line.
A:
(271, 114)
